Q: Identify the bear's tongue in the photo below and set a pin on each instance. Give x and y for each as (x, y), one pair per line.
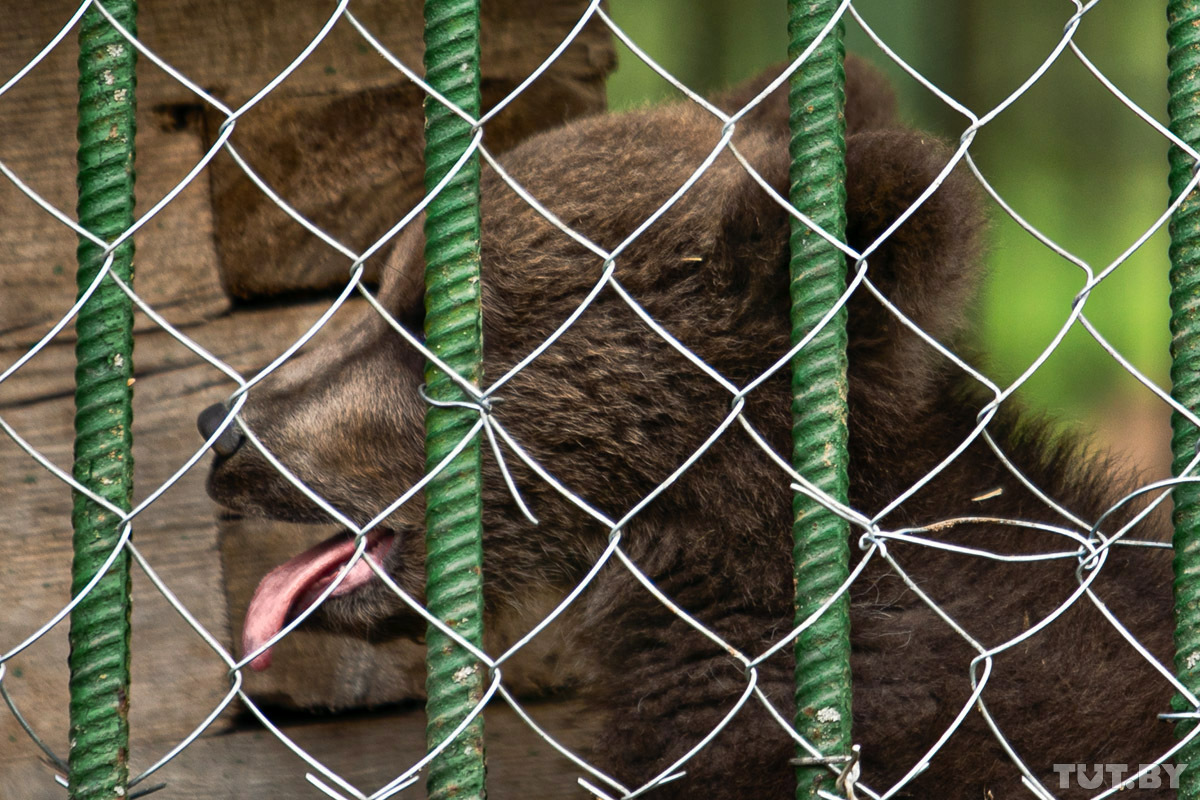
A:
(298, 582)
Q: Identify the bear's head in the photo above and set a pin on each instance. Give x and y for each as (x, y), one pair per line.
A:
(612, 407)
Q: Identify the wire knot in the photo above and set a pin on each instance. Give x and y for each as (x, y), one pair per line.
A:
(849, 775)
(481, 405)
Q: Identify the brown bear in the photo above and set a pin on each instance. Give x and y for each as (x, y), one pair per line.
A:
(611, 410)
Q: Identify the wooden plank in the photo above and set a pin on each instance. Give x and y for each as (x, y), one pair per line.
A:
(235, 49)
(353, 165)
(176, 262)
(343, 144)
(368, 750)
(258, 40)
(340, 139)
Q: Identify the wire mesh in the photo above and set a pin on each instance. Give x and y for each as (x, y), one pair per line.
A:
(687, 409)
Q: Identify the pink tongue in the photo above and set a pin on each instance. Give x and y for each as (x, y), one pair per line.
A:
(302, 578)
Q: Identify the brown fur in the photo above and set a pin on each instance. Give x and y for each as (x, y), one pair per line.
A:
(612, 410)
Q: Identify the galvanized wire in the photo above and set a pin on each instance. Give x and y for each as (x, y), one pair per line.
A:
(458, 395)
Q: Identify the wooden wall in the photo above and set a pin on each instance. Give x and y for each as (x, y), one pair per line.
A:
(341, 141)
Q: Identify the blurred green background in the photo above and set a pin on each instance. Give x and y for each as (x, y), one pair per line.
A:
(1067, 156)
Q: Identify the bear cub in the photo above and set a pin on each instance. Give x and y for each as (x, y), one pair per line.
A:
(611, 409)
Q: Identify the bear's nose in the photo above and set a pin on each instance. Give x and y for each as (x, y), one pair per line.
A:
(230, 439)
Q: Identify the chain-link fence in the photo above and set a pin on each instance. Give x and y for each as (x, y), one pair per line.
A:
(670, 416)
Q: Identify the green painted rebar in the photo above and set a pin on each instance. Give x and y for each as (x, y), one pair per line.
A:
(1183, 61)
(454, 331)
(99, 636)
(818, 277)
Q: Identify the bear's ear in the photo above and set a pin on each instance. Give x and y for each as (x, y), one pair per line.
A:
(402, 279)
(870, 101)
(929, 266)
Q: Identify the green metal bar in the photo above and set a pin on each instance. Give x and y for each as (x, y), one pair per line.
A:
(1183, 62)
(99, 636)
(453, 330)
(818, 277)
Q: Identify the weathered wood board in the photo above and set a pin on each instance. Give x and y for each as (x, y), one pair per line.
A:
(344, 128)
(368, 751)
(340, 139)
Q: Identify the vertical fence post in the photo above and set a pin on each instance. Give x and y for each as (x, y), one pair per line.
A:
(454, 331)
(99, 635)
(818, 277)
(1183, 62)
